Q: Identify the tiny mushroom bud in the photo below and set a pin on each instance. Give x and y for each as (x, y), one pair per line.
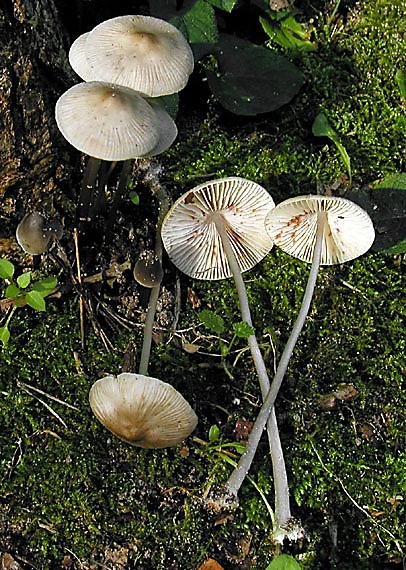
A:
(148, 270)
(141, 410)
(32, 234)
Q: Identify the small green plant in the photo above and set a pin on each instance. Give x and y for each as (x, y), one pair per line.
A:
(284, 562)
(215, 324)
(21, 291)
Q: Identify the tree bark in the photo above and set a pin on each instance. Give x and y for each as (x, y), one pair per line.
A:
(35, 163)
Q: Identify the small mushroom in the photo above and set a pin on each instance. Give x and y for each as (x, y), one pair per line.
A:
(148, 270)
(77, 58)
(144, 53)
(322, 230)
(142, 410)
(32, 234)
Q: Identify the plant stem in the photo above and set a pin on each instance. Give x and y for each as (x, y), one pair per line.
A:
(163, 207)
(282, 505)
(238, 475)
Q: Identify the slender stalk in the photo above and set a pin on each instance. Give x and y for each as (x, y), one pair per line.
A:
(282, 505)
(87, 189)
(238, 475)
(122, 185)
(100, 204)
(164, 203)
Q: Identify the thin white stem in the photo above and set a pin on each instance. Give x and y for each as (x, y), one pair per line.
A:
(282, 505)
(163, 207)
(240, 472)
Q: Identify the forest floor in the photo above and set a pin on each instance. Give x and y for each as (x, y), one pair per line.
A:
(73, 496)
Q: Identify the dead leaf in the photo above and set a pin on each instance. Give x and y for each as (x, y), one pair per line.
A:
(190, 348)
(193, 299)
(243, 429)
(7, 562)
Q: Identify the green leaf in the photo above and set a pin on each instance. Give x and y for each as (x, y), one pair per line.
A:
(252, 79)
(322, 128)
(6, 269)
(24, 279)
(45, 286)
(288, 33)
(395, 181)
(284, 562)
(35, 300)
(4, 335)
(134, 197)
(401, 81)
(243, 329)
(12, 291)
(212, 321)
(197, 22)
(214, 433)
(226, 5)
(170, 103)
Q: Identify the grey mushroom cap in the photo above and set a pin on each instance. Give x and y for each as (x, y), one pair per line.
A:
(167, 129)
(78, 60)
(144, 53)
(107, 121)
(190, 236)
(142, 410)
(348, 233)
(32, 235)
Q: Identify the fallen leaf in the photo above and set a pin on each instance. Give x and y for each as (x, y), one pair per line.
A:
(210, 564)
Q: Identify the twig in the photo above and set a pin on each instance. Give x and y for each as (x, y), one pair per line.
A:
(79, 277)
(57, 416)
(24, 385)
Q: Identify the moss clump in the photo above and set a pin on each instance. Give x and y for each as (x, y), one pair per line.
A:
(76, 489)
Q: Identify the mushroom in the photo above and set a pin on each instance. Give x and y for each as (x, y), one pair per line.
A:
(321, 230)
(142, 410)
(32, 235)
(144, 53)
(148, 270)
(77, 58)
(212, 232)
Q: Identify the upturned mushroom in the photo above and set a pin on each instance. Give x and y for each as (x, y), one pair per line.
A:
(321, 230)
(212, 232)
(142, 410)
(144, 53)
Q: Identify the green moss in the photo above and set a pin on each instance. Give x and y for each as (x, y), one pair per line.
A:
(78, 489)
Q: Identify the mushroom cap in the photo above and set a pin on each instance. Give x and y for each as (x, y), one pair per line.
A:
(349, 233)
(167, 129)
(107, 121)
(31, 234)
(141, 52)
(78, 60)
(190, 236)
(148, 270)
(141, 410)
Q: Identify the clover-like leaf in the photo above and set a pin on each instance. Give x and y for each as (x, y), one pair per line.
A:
(4, 335)
(24, 279)
(6, 269)
(211, 321)
(35, 300)
(45, 286)
(12, 291)
(283, 562)
(243, 329)
(214, 433)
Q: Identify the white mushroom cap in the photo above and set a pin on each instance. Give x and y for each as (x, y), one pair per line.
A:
(107, 121)
(167, 129)
(141, 410)
(190, 236)
(31, 234)
(144, 53)
(148, 270)
(78, 60)
(292, 226)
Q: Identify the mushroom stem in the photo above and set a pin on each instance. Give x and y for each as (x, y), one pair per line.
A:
(163, 207)
(87, 188)
(241, 471)
(100, 201)
(118, 195)
(282, 506)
